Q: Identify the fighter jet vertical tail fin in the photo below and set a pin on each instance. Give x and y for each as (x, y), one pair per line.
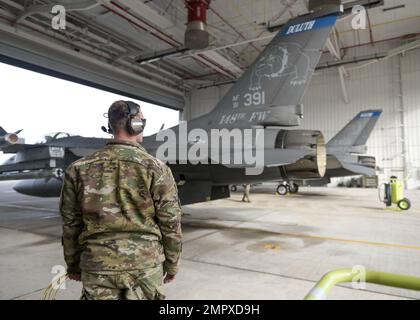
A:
(2, 131)
(283, 71)
(353, 137)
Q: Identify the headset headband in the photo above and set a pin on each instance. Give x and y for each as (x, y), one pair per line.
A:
(133, 108)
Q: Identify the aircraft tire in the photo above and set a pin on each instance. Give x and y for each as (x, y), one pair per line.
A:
(233, 188)
(293, 188)
(282, 189)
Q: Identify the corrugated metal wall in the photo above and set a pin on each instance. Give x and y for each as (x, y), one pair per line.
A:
(411, 95)
(376, 86)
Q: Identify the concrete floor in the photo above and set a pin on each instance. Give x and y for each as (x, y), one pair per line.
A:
(274, 248)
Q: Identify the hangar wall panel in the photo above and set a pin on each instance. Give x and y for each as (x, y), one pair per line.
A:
(411, 89)
(376, 86)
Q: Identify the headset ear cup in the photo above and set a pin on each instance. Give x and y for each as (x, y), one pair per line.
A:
(136, 126)
(133, 111)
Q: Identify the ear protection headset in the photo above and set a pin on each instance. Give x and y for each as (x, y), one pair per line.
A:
(134, 125)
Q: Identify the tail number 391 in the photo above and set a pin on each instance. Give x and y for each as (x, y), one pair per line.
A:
(254, 99)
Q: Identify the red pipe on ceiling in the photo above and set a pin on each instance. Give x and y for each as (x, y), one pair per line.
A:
(160, 35)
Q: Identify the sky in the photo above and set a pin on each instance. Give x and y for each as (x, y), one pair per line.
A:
(41, 104)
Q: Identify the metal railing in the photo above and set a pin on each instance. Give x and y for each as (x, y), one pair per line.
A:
(321, 290)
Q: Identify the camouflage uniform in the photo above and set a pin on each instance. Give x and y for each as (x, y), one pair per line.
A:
(121, 222)
(125, 285)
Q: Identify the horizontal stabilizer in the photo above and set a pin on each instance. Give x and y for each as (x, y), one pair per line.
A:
(359, 169)
(356, 133)
(14, 148)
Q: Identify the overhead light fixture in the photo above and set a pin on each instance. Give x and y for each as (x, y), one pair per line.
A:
(196, 35)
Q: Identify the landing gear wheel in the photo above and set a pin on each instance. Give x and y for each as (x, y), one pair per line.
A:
(293, 188)
(282, 190)
(404, 204)
(233, 188)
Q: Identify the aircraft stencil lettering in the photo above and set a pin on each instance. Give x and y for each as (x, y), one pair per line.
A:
(277, 63)
(260, 115)
(301, 27)
(231, 118)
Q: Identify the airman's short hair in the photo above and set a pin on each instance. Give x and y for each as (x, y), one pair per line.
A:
(118, 116)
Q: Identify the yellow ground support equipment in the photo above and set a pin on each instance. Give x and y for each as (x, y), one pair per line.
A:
(393, 193)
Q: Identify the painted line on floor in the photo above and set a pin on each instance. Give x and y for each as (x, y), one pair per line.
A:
(27, 207)
(371, 243)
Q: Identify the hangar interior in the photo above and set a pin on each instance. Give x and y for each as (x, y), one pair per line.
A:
(141, 43)
(136, 48)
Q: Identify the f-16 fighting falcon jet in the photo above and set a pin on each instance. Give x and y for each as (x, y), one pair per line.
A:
(268, 96)
(345, 153)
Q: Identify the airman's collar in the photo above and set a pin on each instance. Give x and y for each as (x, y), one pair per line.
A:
(126, 142)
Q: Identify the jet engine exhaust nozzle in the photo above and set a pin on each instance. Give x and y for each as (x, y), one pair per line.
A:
(11, 138)
(314, 164)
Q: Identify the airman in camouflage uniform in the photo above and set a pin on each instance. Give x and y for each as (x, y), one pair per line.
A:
(121, 220)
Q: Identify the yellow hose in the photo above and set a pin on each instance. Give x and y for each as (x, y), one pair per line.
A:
(50, 293)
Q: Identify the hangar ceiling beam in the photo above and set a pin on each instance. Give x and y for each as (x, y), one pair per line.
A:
(217, 63)
(181, 52)
(286, 9)
(232, 27)
(334, 48)
(40, 52)
(133, 19)
(127, 52)
(343, 73)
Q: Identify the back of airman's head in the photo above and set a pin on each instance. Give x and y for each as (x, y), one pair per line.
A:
(118, 116)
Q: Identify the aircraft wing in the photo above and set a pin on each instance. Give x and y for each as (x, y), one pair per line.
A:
(346, 165)
(15, 148)
(359, 169)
